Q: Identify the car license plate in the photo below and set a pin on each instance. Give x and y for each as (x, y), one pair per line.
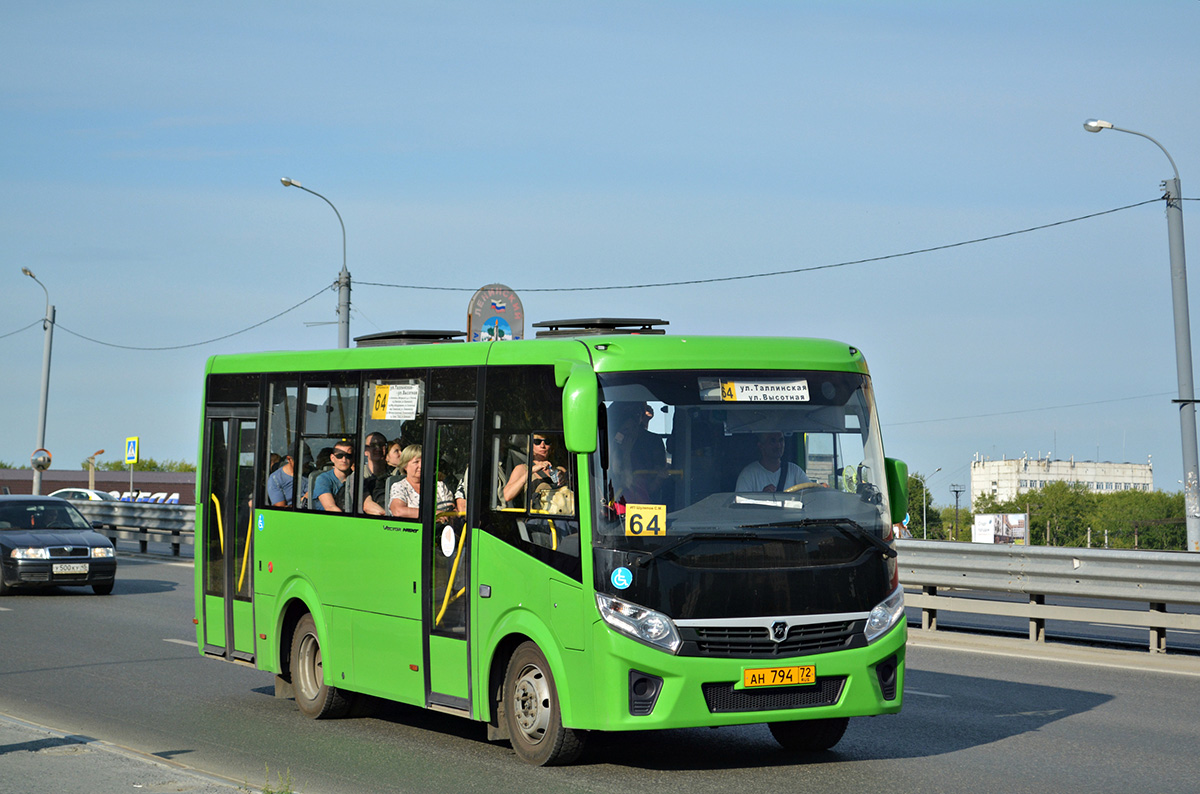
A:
(780, 676)
(70, 567)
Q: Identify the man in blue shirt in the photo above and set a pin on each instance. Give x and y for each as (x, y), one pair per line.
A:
(330, 486)
(280, 490)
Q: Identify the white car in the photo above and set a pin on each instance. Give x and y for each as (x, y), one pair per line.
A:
(84, 494)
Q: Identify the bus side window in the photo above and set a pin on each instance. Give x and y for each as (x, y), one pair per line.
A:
(330, 414)
(533, 496)
(281, 472)
(393, 418)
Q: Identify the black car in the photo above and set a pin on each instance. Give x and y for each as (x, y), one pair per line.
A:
(45, 541)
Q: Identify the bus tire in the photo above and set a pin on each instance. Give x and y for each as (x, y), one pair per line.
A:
(315, 699)
(532, 714)
(809, 736)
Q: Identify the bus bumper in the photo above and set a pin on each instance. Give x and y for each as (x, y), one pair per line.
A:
(638, 687)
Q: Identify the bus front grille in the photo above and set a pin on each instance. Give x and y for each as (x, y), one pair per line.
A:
(754, 642)
(722, 697)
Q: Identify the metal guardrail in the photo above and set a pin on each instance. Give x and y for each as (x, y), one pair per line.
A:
(1154, 578)
(143, 522)
(969, 571)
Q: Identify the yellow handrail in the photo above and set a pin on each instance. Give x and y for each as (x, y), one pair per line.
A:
(220, 527)
(450, 582)
(246, 553)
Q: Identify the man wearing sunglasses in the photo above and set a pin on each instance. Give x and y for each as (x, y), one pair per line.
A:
(329, 490)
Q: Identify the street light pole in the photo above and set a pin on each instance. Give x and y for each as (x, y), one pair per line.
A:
(48, 325)
(343, 277)
(925, 504)
(1183, 339)
(91, 462)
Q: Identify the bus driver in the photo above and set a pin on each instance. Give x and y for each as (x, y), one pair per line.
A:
(769, 473)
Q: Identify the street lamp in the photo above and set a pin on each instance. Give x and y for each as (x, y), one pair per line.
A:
(343, 277)
(91, 462)
(925, 504)
(48, 325)
(1183, 338)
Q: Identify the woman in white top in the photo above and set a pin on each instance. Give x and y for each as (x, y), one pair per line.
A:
(404, 501)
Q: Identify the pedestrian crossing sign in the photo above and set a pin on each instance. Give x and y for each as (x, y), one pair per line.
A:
(131, 450)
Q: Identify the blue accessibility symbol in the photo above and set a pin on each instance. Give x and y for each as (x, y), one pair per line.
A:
(261, 522)
(622, 577)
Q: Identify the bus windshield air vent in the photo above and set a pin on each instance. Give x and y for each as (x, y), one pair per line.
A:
(599, 325)
(408, 338)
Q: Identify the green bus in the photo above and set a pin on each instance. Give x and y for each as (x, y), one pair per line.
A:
(617, 529)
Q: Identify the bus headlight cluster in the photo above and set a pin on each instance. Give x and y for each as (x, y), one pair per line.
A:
(646, 625)
(885, 615)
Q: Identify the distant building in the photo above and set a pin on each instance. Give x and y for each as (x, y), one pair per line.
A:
(1006, 479)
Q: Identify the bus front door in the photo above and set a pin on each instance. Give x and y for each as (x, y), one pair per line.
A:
(227, 493)
(448, 540)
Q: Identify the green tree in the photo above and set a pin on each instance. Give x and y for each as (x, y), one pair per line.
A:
(1064, 512)
(921, 508)
(1139, 519)
(146, 464)
(966, 517)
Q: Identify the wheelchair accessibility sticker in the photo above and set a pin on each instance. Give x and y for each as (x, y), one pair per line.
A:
(622, 577)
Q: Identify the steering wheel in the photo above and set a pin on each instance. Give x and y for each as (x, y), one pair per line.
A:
(800, 486)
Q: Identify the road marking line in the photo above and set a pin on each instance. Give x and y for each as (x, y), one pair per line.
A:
(908, 691)
(181, 642)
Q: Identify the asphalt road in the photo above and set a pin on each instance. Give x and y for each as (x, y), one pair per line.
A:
(980, 714)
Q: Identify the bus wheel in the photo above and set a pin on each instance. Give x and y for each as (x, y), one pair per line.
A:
(809, 736)
(315, 699)
(532, 713)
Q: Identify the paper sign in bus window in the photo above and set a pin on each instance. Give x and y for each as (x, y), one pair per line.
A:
(396, 401)
(642, 520)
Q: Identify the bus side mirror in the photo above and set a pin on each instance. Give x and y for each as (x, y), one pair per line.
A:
(580, 404)
(897, 485)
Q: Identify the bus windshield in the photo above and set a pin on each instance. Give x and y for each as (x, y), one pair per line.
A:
(723, 494)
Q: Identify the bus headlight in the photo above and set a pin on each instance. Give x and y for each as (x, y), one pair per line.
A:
(885, 615)
(646, 625)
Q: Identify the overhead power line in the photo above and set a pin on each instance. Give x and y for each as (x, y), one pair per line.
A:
(206, 341)
(790, 271)
(1032, 410)
(714, 280)
(19, 330)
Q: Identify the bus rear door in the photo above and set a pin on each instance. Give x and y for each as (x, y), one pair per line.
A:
(447, 453)
(227, 492)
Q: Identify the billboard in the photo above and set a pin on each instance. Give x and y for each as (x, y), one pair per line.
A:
(1000, 528)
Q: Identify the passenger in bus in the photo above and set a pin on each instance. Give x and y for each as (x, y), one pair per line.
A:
(281, 489)
(375, 475)
(769, 473)
(460, 493)
(404, 501)
(395, 449)
(639, 457)
(545, 475)
(329, 489)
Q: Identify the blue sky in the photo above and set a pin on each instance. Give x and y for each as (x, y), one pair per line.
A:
(568, 145)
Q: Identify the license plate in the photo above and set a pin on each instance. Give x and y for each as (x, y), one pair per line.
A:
(780, 676)
(70, 567)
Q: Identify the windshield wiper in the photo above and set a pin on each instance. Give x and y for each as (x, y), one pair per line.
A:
(846, 526)
(691, 537)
